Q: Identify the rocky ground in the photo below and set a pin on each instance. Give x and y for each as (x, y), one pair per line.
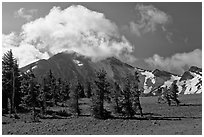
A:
(158, 119)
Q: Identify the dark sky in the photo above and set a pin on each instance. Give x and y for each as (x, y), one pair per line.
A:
(185, 25)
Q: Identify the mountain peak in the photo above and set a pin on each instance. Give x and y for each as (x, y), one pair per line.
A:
(159, 73)
(188, 74)
(66, 54)
(195, 69)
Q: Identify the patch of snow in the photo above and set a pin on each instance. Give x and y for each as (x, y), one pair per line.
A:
(78, 62)
(192, 86)
(199, 91)
(147, 89)
(28, 71)
(34, 67)
(179, 87)
(140, 70)
(200, 73)
(170, 81)
(196, 75)
(148, 75)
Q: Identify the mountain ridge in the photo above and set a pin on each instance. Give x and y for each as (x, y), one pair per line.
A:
(69, 65)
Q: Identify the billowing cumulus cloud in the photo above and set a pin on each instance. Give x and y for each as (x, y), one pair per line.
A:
(77, 29)
(24, 52)
(26, 14)
(149, 19)
(177, 62)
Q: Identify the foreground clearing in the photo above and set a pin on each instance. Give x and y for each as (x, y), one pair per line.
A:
(158, 119)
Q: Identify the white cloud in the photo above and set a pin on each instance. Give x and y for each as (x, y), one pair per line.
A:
(26, 14)
(150, 18)
(177, 62)
(77, 29)
(10, 40)
(24, 52)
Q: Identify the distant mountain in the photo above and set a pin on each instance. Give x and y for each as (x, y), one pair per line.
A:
(153, 80)
(191, 81)
(67, 66)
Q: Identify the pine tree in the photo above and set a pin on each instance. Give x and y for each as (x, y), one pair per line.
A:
(67, 91)
(173, 93)
(116, 95)
(63, 90)
(75, 97)
(34, 92)
(31, 91)
(127, 102)
(25, 78)
(43, 98)
(59, 91)
(136, 94)
(98, 99)
(10, 82)
(81, 90)
(51, 83)
(131, 94)
(88, 89)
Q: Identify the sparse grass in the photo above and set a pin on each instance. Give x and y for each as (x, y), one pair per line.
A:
(158, 119)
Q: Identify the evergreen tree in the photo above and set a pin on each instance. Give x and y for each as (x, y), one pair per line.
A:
(116, 96)
(59, 96)
(67, 91)
(98, 99)
(43, 99)
(136, 94)
(63, 93)
(10, 82)
(127, 102)
(25, 78)
(34, 93)
(131, 94)
(88, 89)
(51, 83)
(31, 90)
(173, 93)
(75, 97)
(81, 90)
(63, 89)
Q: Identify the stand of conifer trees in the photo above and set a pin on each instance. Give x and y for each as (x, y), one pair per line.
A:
(25, 91)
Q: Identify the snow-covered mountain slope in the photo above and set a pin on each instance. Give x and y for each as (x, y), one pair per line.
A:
(152, 80)
(192, 84)
(189, 83)
(168, 83)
